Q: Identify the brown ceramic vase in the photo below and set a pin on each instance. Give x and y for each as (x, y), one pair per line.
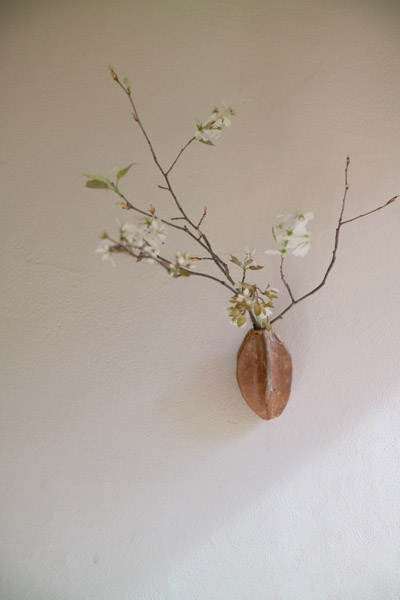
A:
(264, 373)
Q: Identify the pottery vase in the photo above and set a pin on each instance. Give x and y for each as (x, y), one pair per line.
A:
(264, 373)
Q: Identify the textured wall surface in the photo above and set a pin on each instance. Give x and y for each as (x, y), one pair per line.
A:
(131, 467)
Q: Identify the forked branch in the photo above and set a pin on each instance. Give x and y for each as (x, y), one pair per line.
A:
(332, 262)
(164, 262)
(205, 242)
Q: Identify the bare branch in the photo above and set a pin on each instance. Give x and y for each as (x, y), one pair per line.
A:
(207, 245)
(149, 214)
(346, 188)
(180, 154)
(202, 218)
(371, 211)
(164, 262)
(221, 281)
(201, 258)
(284, 280)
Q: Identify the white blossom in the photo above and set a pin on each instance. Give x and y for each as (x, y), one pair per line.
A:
(142, 239)
(147, 236)
(105, 249)
(211, 129)
(291, 234)
(182, 264)
(249, 255)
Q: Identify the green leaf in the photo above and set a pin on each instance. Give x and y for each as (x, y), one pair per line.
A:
(236, 261)
(241, 321)
(127, 82)
(256, 267)
(184, 272)
(97, 184)
(257, 310)
(207, 142)
(123, 172)
(97, 177)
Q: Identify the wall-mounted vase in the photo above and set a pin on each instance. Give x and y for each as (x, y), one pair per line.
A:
(264, 373)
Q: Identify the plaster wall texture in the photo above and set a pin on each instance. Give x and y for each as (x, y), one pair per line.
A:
(131, 467)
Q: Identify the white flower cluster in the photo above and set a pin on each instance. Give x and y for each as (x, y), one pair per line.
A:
(182, 265)
(105, 249)
(216, 122)
(291, 234)
(143, 239)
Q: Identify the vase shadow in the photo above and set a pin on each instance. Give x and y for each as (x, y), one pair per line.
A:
(206, 403)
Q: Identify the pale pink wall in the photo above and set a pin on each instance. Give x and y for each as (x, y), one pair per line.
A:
(131, 467)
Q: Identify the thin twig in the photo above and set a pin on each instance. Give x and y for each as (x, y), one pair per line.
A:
(346, 188)
(207, 245)
(221, 281)
(179, 155)
(164, 262)
(149, 214)
(202, 258)
(341, 222)
(202, 218)
(284, 280)
(371, 211)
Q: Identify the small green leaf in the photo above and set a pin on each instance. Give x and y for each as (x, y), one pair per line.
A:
(97, 177)
(127, 83)
(241, 321)
(96, 184)
(257, 310)
(184, 272)
(256, 267)
(207, 142)
(123, 172)
(236, 261)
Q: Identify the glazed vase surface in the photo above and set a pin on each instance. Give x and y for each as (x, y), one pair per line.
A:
(264, 373)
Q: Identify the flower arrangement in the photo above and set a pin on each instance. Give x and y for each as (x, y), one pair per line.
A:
(144, 240)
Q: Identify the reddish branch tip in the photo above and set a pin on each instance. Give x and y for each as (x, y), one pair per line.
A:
(348, 160)
(113, 74)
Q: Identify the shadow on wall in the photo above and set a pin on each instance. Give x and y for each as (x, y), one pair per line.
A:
(217, 458)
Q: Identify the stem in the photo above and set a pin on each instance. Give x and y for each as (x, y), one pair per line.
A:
(346, 188)
(202, 218)
(340, 223)
(255, 321)
(207, 245)
(164, 262)
(284, 280)
(179, 155)
(149, 214)
(202, 258)
(371, 211)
